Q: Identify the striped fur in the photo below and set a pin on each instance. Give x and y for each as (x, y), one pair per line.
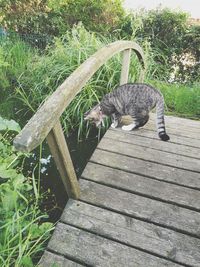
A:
(136, 100)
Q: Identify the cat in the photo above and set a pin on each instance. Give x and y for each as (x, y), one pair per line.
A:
(134, 99)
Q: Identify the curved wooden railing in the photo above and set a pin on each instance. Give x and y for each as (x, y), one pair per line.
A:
(46, 121)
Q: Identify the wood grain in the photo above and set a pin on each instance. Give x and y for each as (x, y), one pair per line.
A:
(151, 238)
(167, 215)
(157, 144)
(134, 183)
(98, 251)
(151, 155)
(145, 168)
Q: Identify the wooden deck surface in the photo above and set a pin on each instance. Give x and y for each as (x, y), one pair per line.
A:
(139, 204)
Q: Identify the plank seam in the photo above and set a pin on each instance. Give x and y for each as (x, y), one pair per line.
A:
(125, 244)
(142, 194)
(146, 176)
(168, 165)
(140, 218)
(153, 138)
(69, 257)
(176, 134)
(162, 150)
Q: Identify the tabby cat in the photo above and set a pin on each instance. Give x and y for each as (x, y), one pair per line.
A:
(134, 99)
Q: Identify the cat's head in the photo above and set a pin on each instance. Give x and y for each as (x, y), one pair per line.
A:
(95, 116)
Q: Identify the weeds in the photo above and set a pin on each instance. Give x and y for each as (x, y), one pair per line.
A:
(22, 233)
(181, 100)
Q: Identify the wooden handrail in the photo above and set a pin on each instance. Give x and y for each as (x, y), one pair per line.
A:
(45, 123)
(49, 113)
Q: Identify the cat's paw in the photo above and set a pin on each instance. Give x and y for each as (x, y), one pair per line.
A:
(129, 127)
(164, 136)
(114, 124)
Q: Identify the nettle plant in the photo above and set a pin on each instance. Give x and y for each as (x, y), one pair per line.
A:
(22, 233)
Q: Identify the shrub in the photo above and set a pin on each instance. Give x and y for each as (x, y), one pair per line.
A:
(22, 235)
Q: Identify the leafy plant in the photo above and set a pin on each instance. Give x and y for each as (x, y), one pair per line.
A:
(22, 233)
(47, 72)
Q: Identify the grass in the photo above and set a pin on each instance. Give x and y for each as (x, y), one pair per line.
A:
(47, 72)
(14, 57)
(181, 100)
(22, 234)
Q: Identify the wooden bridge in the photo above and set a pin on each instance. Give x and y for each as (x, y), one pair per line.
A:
(137, 203)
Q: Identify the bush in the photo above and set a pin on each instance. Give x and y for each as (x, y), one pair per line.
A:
(14, 58)
(47, 72)
(22, 235)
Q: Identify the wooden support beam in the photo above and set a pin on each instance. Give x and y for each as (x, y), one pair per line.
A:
(125, 66)
(61, 155)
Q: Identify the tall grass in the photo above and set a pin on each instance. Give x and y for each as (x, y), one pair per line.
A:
(14, 57)
(182, 100)
(47, 72)
(22, 234)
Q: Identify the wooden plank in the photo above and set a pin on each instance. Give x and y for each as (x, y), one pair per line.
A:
(174, 120)
(130, 182)
(153, 143)
(184, 130)
(150, 154)
(125, 66)
(173, 138)
(98, 251)
(49, 113)
(61, 155)
(163, 214)
(171, 130)
(149, 169)
(176, 130)
(52, 260)
(146, 236)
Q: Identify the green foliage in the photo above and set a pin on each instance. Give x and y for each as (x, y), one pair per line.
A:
(56, 17)
(21, 234)
(47, 72)
(14, 57)
(174, 42)
(181, 100)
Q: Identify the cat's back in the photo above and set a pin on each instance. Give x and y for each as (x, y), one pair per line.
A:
(136, 92)
(136, 88)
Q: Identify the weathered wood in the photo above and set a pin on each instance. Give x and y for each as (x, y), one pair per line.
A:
(150, 154)
(52, 260)
(156, 144)
(172, 121)
(125, 66)
(153, 211)
(149, 169)
(61, 155)
(149, 237)
(175, 139)
(94, 250)
(49, 113)
(134, 183)
(181, 131)
(172, 129)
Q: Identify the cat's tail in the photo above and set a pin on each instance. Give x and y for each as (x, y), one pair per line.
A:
(160, 119)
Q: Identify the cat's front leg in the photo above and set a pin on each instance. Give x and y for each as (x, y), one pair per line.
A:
(115, 120)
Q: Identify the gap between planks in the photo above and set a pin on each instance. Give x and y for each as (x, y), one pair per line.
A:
(136, 184)
(148, 169)
(156, 144)
(140, 235)
(163, 214)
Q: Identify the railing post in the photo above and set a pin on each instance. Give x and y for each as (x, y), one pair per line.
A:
(61, 155)
(125, 66)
